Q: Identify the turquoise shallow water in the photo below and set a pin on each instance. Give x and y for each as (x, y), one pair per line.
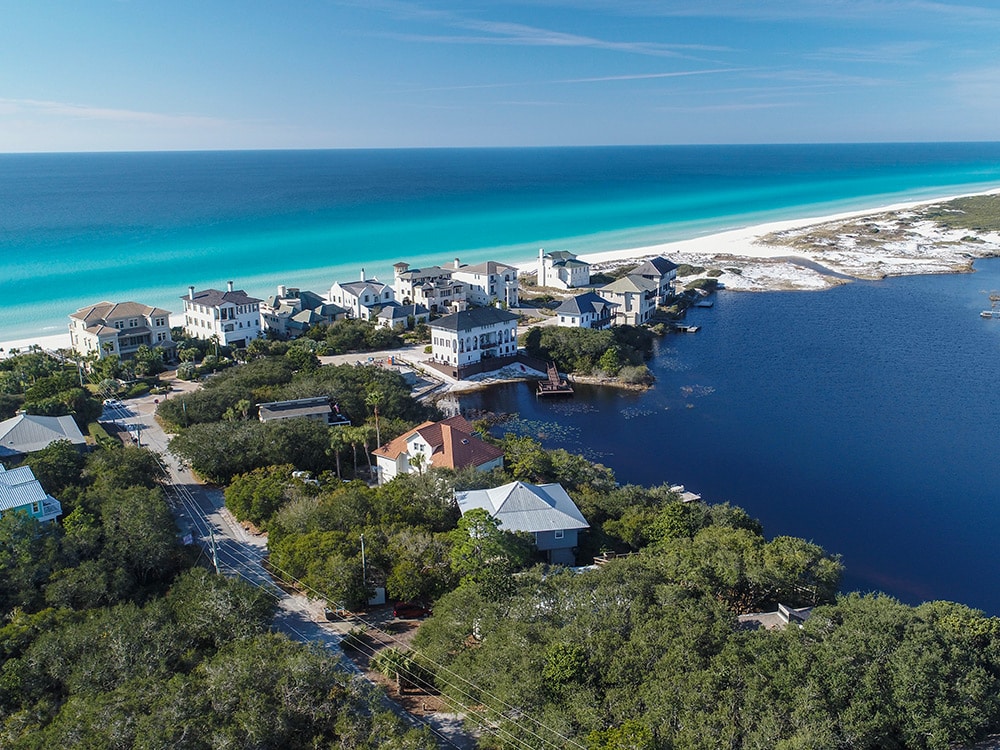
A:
(79, 228)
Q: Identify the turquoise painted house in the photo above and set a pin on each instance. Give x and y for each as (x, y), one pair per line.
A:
(19, 490)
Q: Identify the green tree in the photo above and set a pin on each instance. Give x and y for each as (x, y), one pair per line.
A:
(483, 554)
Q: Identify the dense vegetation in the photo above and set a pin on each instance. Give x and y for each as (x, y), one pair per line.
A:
(613, 352)
(40, 384)
(631, 656)
(110, 638)
(221, 437)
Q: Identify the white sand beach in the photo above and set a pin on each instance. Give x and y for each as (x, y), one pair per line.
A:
(865, 244)
(805, 254)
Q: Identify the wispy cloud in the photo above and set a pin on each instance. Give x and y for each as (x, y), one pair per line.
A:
(785, 10)
(592, 79)
(890, 53)
(90, 112)
(465, 29)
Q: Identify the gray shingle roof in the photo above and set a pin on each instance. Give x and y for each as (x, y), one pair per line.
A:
(591, 302)
(215, 298)
(473, 318)
(655, 267)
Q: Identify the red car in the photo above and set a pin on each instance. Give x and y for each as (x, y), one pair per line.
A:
(409, 611)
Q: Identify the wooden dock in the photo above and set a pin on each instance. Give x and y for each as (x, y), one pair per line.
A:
(554, 385)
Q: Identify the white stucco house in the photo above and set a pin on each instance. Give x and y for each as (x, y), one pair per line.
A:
(489, 282)
(363, 298)
(232, 316)
(469, 341)
(562, 269)
(448, 444)
(589, 310)
(544, 510)
(118, 329)
(432, 287)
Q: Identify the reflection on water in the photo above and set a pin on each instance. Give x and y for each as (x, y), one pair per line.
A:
(860, 417)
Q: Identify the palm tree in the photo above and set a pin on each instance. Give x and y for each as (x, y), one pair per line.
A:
(374, 399)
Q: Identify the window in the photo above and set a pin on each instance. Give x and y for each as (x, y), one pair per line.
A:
(36, 508)
(119, 324)
(559, 534)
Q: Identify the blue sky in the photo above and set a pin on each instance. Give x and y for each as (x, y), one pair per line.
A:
(100, 75)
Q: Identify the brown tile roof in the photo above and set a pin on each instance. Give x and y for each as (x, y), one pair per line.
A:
(452, 443)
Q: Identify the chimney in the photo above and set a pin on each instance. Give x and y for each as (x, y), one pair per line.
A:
(447, 445)
(190, 292)
(362, 274)
(457, 264)
(281, 290)
(229, 286)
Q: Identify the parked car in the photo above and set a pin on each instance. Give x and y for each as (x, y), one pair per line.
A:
(410, 610)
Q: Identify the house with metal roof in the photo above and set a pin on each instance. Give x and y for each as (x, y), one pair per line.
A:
(544, 510)
(118, 329)
(562, 269)
(27, 433)
(19, 490)
(588, 310)
(448, 444)
(231, 317)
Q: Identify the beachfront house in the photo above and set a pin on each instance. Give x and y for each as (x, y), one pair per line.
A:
(118, 329)
(291, 312)
(589, 310)
(20, 491)
(473, 341)
(544, 510)
(448, 444)
(363, 298)
(488, 283)
(232, 318)
(635, 299)
(432, 287)
(402, 317)
(26, 433)
(660, 271)
(562, 269)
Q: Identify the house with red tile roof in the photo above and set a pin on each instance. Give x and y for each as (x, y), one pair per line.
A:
(449, 444)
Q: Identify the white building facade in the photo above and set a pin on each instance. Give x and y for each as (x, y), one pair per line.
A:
(562, 269)
(467, 338)
(232, 316)
(363, 298)
(488, 282)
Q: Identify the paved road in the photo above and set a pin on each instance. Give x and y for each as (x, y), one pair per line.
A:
(239, 553)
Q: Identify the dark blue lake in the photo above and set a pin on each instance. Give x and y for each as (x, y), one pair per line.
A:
(863, 418)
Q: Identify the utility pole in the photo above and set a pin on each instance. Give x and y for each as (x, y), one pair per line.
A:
(215, 552)
(364, 573)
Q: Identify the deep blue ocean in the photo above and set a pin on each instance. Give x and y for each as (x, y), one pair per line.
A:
(79, 228)
(863, 417)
